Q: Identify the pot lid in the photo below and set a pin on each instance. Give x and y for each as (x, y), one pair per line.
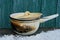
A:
(26, 16)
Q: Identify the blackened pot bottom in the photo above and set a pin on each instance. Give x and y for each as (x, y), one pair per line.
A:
(18, 29)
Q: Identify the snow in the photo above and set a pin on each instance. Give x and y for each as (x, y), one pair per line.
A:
(49, 35)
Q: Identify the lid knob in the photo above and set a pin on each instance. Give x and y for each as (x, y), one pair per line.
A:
(27, 13)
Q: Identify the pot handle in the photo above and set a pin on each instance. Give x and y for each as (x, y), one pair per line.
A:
(44, 19)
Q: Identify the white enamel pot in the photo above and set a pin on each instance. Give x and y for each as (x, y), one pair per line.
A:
(17, 24)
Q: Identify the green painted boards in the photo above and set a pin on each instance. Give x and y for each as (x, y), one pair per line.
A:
(47, 7)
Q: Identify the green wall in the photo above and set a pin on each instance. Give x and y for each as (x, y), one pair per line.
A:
(47, 7)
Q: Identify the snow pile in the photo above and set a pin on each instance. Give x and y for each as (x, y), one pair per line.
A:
(49, 35)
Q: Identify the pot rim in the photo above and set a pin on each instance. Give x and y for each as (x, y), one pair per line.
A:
(21, 18)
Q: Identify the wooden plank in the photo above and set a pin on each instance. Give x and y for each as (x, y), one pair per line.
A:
(58, 11)
(5, 11)
(49, 7)
(26, 5)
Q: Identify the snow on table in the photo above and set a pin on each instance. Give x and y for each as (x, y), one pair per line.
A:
(49, 35)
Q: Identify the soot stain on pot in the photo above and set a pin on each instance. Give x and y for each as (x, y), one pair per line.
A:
(21, 28)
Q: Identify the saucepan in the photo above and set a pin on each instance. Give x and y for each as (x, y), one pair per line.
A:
(27, 23)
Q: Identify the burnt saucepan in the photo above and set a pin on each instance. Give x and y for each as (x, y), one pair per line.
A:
(28, 23)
